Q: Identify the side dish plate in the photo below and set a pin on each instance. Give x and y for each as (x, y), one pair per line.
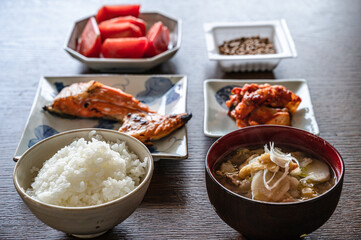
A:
(164, 93)
(216, 92)
(126, 64)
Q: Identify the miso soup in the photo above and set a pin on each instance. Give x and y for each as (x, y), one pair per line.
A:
(273, 174)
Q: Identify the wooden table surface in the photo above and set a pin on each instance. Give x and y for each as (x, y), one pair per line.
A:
(327, 37)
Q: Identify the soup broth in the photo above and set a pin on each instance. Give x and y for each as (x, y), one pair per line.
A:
(274, 174)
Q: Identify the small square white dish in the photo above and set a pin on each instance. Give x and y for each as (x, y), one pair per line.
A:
(216, 92)
(275, 30)
(129, 65)
(165, 94)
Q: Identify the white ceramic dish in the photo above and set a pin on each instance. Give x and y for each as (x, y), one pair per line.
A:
(164, 93)
(129, 65)
(216, 92)
(276, 30)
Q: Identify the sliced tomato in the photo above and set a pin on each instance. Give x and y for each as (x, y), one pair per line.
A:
(89, 43)
(124, 47)
(119, 30)
(158, 39)
(112, 11)
(133, 20)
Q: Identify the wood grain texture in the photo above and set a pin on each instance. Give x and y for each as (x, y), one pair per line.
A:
(327, 36)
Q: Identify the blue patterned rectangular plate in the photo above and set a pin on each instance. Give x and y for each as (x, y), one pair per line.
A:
(164, 93)
(216, 92)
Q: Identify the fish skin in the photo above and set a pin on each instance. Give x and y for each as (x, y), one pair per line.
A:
(148, 127)
(95, 100)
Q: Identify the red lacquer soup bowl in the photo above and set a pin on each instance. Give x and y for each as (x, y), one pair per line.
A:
(268, 220)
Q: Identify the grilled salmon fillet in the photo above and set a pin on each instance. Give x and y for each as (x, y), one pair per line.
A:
(96, 100)
(148, 127)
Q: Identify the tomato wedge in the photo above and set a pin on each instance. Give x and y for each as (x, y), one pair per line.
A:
(133, 20)
(112, 11)
(158, 39)
(89, 43)
(119, 30)
(124, 47)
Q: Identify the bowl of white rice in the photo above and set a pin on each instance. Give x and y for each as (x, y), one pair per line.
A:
(86, 181)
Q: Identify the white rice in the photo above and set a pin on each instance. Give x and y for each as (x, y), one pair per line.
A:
(87, 173)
